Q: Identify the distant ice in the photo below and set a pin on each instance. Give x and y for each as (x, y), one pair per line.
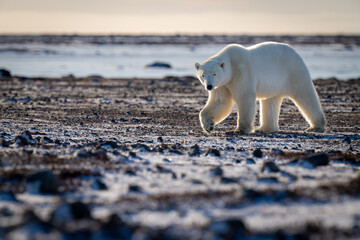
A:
(129, 61)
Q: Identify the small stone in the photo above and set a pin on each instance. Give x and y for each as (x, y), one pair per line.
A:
(130, 171)
(277, 151)
(216, 172)
(27, 135)
(159, 65)
(195, 150)
(109, 145)
(314, 161)
(141, 147)
(8, 196)
(132, 154)
(45, 140)
(160, 140)
(229, 229)
(4, 143)
(113, 224)
(20, 141)
(135, 188)
(163, 169)
(268, 180)
(5, 73)
(347, 140)
(167, 160)
(99, 185)
(44, 182)
(269, 167)
(196, 182)
(258, 153)
(225, 180)
(101, 154)
(213, 152)
(80, 211)
(250, 161)
(83, 154)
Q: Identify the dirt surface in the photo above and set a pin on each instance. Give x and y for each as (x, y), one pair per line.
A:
(102, 158)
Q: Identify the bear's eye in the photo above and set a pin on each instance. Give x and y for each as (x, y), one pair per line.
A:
(202, 75)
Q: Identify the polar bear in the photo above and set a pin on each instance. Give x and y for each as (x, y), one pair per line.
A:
(268, 72)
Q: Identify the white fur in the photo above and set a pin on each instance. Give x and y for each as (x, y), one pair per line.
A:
(267, 72)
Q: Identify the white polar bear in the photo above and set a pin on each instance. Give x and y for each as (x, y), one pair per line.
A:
(267, 71)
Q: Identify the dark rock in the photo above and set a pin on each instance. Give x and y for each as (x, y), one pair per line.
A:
(116, 228)
(6, 212)
(216, 172)
(237, 160)
(135, 188)
(277, 151)
(290, 176)
(20, 141)
(252, 194)
(132, 154)
(109, 144)
(309, 151)
(5, 73)
(130, 171)
(141, 147)
(250, 161)
(195, 150)
(47, 182)
(213, 152)
(100, 154)
(347, 140)
(258, 153)
(45, 140)
(83, 154)
(160, 140)
(4, 143)
(225, 180)
(167, 160)
(241, 149)
(269, 167)
(321, 159)
(176, 151)
(229, 229)
(196, 182)
(268, 180)
(8, 196)
(159, 65)
(99, 185)
(80, 211)
(27, 135)
(163, 169)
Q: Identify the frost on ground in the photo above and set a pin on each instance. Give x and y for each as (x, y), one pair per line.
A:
(98, 158)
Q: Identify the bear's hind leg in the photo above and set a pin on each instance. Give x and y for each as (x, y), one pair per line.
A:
(309, 105)
(269, 115)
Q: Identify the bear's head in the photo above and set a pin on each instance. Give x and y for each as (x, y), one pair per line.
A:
(213, 74)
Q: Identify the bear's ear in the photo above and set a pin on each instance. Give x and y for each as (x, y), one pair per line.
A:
(197, 66)
(222, 64)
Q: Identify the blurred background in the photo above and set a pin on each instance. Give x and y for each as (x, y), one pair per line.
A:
(115, 38)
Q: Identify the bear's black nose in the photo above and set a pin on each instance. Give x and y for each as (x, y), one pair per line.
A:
(209, 87)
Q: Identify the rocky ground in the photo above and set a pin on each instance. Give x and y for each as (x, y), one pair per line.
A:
(96, 158)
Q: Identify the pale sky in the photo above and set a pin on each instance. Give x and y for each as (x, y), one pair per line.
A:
(180, 16)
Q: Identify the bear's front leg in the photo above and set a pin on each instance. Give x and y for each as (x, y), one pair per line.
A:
(217, 108)
(246, 113)
(207, 122)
